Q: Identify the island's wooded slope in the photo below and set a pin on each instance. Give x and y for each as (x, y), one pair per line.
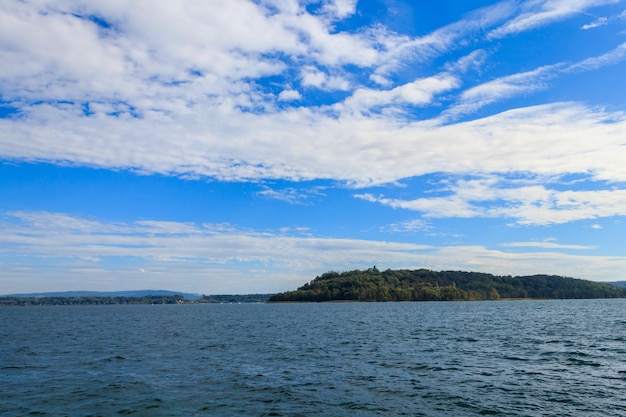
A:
(427, 285)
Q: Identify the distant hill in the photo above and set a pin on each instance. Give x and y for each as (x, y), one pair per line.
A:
(135, 293)
(618, 283)
(427, 285)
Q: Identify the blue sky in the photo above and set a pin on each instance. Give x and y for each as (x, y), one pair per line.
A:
(248, 146)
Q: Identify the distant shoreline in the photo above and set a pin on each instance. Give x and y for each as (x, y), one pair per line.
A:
(18, 300)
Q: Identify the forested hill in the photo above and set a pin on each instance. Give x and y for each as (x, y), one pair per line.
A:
(427, 285)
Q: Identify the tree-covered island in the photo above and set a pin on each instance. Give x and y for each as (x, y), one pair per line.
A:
(427, 285)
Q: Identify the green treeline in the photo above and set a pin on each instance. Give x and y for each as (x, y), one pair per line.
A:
(427, 285)
(91, 300)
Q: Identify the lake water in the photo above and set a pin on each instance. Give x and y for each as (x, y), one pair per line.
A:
(518, 358)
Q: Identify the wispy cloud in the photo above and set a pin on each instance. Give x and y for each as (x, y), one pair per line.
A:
(533, 14)
(502, 88)
(409, 226)
(599, 22)
(292, 195)
(525, 83)
(402, 50)
(612, 57)
(532, 204)
(418, 93)
(546, 244)
(472, 61)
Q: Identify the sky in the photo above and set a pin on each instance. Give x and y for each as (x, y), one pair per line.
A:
(236, 146)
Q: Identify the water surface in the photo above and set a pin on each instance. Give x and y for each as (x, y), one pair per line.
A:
(519, 358)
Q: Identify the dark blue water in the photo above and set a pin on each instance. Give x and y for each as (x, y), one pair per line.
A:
(523, 358)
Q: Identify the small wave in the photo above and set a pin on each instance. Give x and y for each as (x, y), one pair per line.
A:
(525, 372)
(25, 350)
(516, 358)
(580, 362)
(151, 405)
(21, 368)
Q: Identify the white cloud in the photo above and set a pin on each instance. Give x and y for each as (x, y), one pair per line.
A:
(306, 144)
(547, 244)
(327, 47)
(289, 95)
(341, 8)
(472, 61)
(409, 226)
(536, 13)
(313, 77)
(502, 88)
(525, 83)
(292, 195)
(532, 204)
(599, 22)
(148, 56)
(401, 51)
(440, 207)
(419, 92)
(612, 57)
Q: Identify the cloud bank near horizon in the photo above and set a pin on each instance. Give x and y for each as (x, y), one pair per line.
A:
(57, 249)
